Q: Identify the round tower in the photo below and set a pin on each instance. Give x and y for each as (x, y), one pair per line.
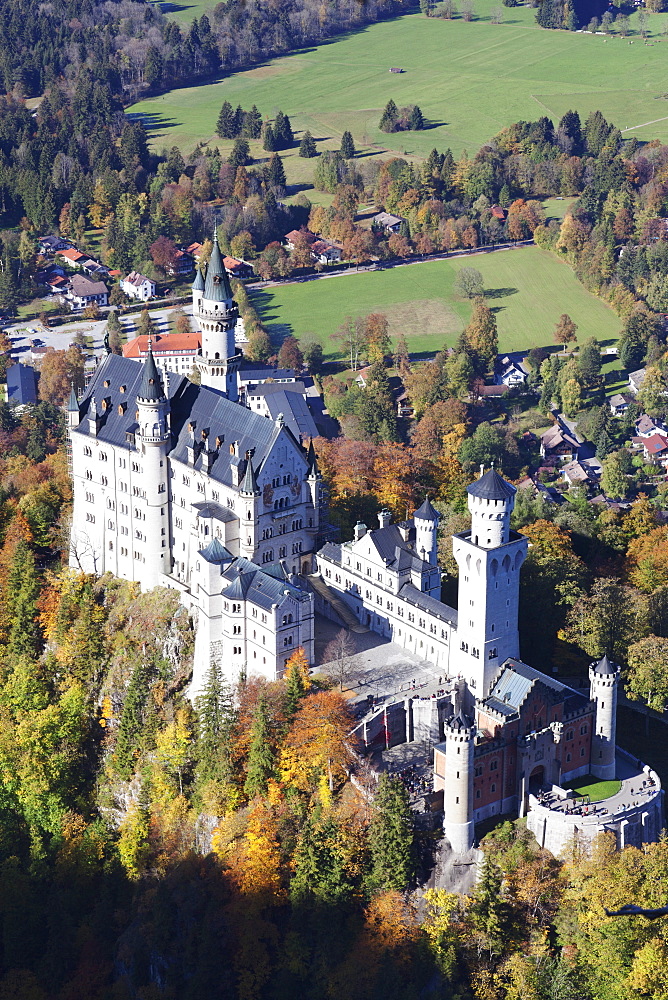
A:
(491, 500)
(458, 825)
(198, 290)
(426, 520)
(248, 527)
(217, 313)
(604, 681)
(153, 442)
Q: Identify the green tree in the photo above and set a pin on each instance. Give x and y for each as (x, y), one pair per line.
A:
(614, 481)
(240, 155)
(647, 674)
(313, 357)
(226, 126)
(484, 447)
(283, 131)
(269, 143)
(389, 118)
(216, 718)
(114, 332)
(21, 593)
(276, 171)
(416, 121)
(307, 147)
(652, 393)
(589, 365)
(481, 334)
(252, 125)
(489, 913)
(391, 837)
(261, 758)
(321, 864)
(607, 619)
(469, 283)
(132, 720)
(347, 148)
(571, 397)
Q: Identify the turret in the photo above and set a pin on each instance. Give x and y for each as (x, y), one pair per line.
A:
(217, 313)
(153, 441)
(491, 500)
(313, 478)
(198, 290)
(458, 825)
(604, 681)
(249, 493)
(426, 520)
(73, 409)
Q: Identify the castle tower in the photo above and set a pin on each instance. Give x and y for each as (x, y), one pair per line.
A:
(458, 825)
(198, 290)
(153, 442)
(248, 528)
(604, 681)
(217, 313)
(426, 520)
(489, 557)
(313, 480)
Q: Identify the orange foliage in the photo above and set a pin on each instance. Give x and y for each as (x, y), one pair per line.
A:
(318, 741)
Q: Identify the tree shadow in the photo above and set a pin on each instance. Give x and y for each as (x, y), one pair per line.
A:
(500, 293)
(151, 121)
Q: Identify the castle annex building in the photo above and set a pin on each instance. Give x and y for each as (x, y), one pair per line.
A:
(178, 485)
(508, 737)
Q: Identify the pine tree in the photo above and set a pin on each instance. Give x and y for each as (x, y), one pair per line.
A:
(347, 146)
(489, 912)
(296, 679)
(307, 146)
(391, 837)
(252, 126)
(226, 124)
(389, 117)
(283, 131)
(416, 120)
(238, 121)
(268, 138)
(260, 753)
(276, 171)
(240, 154)
(130, 728)
(216, 717)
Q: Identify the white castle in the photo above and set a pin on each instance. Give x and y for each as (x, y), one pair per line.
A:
(177, 485)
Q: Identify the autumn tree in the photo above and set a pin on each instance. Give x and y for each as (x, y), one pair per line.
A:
(297, 680)
(290, 355)
(391, 837)
(352, 336)
(164, 253)
(59, 371)
(377, 337)
(318, 742)
(647, 560)
(565, 330)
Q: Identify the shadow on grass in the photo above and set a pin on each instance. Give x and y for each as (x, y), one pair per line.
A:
(500, 293)
(153, 122)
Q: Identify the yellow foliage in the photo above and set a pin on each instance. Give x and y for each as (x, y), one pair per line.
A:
(133, 848)
(256, 868)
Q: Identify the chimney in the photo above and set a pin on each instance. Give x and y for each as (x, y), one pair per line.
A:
(192, 447)
(384, 518)
(94, 419)
(360, 530)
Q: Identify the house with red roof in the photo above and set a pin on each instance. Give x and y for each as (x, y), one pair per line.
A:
(173, 352)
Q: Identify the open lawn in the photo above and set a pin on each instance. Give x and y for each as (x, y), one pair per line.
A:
(185, 10)
(528, 288)
(470, 79)
(596, 790)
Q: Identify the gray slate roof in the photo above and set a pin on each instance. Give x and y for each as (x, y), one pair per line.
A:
(206, 408)
(217, 285)
(605, 666)
(491, 486)
(295, 412)
(150, 386)
(429, 604)
(426, 512)
(249, 582)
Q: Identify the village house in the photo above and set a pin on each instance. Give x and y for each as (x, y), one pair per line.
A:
(388, 223)
(636, 380)
(138, 286)
(581, 473)
(240, 269)
(326, 253)
(647, 426)
(182, 265)
(509, 372)
(295, 235)
(83, 292)
(559, 442)
(619, 404)
(655, 448)
(21, 385)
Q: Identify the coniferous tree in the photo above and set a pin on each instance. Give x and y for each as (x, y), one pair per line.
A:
(240, 154)
(283, 131)
(347, 149)
(307, 147)
(391, 837)
(276, 171)
(226, 124)
(238, 121)
(260, 752)
(252, 124)
(22, 591)
(216, 717)
(416, 120)
(130, 728)
(489, 911)
(389, 118)
(268, 138)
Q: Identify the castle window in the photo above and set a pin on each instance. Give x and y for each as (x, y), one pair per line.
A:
(477, 794)
(582, 751)
(236, 629)
(493, 654)
(90, 498)
(215, 496)
(494, 765)
(477, 772)
(281, 552)
(568, 758)
(493, 788)
(87, 451)
(583, 730)
(236, 608)
(110, 504)
(569, 734)
(89, 474)
(91, 518)
(110, 525)
(111, 546)
(104, 481)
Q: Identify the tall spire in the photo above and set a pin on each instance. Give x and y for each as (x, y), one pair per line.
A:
(73, 403)
(217, 286)
(249, 484)
(312, 460)
(150, 387)
(198, 283)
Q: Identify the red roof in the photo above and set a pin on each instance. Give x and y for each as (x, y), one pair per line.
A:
(72, 255)
(656, 444)
(166, 343)
(306, 233)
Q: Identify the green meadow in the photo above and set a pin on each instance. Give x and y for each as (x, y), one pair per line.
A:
(470, 79)
(528, 289)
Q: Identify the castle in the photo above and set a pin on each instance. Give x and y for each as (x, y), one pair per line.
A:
(508, 738)
(177, 485)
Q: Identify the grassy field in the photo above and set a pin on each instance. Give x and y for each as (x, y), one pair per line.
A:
(184, 11)
(596, 790)
(528, 288)
(470, 79)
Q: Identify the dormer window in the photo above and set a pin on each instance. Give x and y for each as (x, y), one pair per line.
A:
(106, 383)
(122, 388)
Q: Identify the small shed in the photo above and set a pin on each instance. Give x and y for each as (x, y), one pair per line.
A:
(396, 69)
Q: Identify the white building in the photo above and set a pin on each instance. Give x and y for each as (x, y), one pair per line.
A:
(163, 469)
(172, 352)
(83, 292)
(138, 286)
